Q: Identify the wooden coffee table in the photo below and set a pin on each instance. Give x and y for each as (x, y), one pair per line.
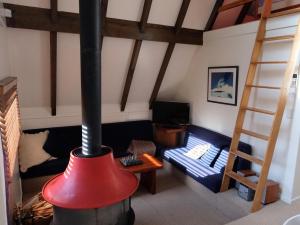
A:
(147, 170)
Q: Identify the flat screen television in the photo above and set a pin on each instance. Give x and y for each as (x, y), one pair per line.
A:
(171, 113)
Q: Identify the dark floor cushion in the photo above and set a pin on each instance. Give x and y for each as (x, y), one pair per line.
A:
(61, 142)
(118, 136)
(47, 168)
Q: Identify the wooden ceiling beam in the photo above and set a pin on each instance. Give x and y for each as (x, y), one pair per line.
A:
(214, 14)
(53, 5)
(234, 4)
(104, 5)
(53, 71)
(145, 15)
(53, 59)
(135, 54)
(243, 13)
(169, 52)
(182, 13)
(130, 73)
(38, 19)
(161, 74)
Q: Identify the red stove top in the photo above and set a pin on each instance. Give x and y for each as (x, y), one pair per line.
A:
(90, 183)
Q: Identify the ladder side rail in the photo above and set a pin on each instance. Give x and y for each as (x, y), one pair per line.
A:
(246, 94)
(267, 9)
(277, 120)
(244, 102)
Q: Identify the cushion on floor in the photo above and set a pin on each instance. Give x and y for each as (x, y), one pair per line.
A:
(31, 150)
(50, 167)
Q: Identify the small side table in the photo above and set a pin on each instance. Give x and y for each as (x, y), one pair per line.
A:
(147, 171)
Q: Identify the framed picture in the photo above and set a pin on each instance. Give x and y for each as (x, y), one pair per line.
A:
(223, 85)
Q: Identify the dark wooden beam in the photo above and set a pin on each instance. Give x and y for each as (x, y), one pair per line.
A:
(213, 16)
(134, 58)
(53, 71)
(38, 19)
(169, 52)
(182, 13)
(53, 5)
(286, 8)
(243, 13)
(135, 54)
(162, 73)
(104, 5)
(145, 15)
(282, 9)
(234, 4)
(130, 29)
(53, 59)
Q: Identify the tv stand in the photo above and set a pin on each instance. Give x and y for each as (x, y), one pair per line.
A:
(169, 135)
(171, 126)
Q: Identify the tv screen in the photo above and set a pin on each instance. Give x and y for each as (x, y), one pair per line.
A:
(171, 113)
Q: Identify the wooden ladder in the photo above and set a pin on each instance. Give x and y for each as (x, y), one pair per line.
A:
(249, 86)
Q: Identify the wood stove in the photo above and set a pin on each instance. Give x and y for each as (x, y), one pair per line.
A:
(93, 190)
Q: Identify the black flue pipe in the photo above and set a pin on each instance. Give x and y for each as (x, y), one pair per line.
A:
(90, 34)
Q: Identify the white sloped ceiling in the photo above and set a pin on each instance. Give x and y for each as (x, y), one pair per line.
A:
(116, 55)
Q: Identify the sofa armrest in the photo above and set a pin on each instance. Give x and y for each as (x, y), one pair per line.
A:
(243, 164)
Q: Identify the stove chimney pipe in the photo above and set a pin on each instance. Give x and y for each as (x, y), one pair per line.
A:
(93, 187)
(90, 34)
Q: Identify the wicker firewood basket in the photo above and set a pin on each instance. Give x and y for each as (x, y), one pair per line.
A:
(36, 212)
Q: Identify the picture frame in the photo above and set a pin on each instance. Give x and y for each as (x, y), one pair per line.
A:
(222, 85)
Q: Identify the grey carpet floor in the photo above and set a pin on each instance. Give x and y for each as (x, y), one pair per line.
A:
(181, 201)
(273, 214)
(178, 204)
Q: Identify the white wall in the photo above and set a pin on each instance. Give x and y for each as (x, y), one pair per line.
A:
(293, 169)
(29, 56)
(230, 47)
(4, 71)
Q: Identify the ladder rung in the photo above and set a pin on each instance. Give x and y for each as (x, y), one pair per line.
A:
(280, 38)
(243, 180)
(261, 86)
(248, 157)
(260, 110)
(285, 12)
(253, 134)
(270, 62)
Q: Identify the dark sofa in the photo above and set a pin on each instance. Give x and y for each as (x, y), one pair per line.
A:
(62, 140)
(209, 169)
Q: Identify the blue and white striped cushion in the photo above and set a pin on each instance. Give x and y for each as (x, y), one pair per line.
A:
(221, 161)
(209, 156)
(193, 141)
(194, 167)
